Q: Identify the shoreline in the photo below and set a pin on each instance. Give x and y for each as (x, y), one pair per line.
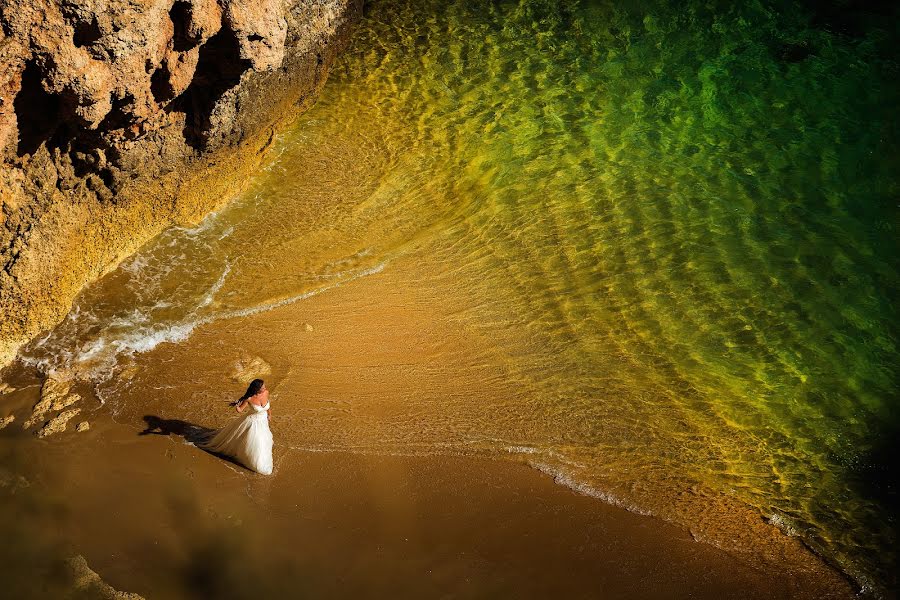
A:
(151, 513)
(375, 342)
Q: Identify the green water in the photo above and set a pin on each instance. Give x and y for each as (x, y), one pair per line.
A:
(678, 222)
(695, 207)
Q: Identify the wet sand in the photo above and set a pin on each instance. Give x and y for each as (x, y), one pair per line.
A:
(156, 516)
(372, 364)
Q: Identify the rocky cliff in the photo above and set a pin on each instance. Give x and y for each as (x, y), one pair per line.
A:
(119, 118)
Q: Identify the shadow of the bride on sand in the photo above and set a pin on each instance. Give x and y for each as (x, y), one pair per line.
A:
(190, 432)
(194, 434)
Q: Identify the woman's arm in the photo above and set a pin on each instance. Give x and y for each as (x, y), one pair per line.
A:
(241, 406)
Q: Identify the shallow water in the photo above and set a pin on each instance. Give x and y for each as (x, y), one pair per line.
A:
(675, 225)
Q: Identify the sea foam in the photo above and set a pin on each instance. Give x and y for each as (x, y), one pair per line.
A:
(125, 335)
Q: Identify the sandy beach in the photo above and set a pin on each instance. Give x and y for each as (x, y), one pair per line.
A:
(156, 516)
(160, 518)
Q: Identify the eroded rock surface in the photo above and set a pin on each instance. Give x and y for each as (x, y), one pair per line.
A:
(86, 581)
(58, 423)
(119, 118)
(54, 393)
(65, 402)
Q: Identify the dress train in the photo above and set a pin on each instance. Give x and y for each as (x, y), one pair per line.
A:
(247, 439)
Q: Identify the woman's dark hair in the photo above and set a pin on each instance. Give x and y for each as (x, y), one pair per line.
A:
(252, 390)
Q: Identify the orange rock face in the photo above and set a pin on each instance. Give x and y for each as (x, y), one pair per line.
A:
(119, 118)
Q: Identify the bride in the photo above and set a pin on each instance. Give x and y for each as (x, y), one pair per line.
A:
(248, 439)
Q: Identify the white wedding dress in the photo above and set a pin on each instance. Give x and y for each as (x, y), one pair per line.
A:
(247, 439)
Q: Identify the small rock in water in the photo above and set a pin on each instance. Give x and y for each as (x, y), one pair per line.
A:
(83, 426)
(248, 368)
(128, 372)
(6, 421)
(58, 423)
(307, 327)
(5, 388)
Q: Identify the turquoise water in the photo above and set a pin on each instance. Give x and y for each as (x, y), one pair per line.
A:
(688, 211)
